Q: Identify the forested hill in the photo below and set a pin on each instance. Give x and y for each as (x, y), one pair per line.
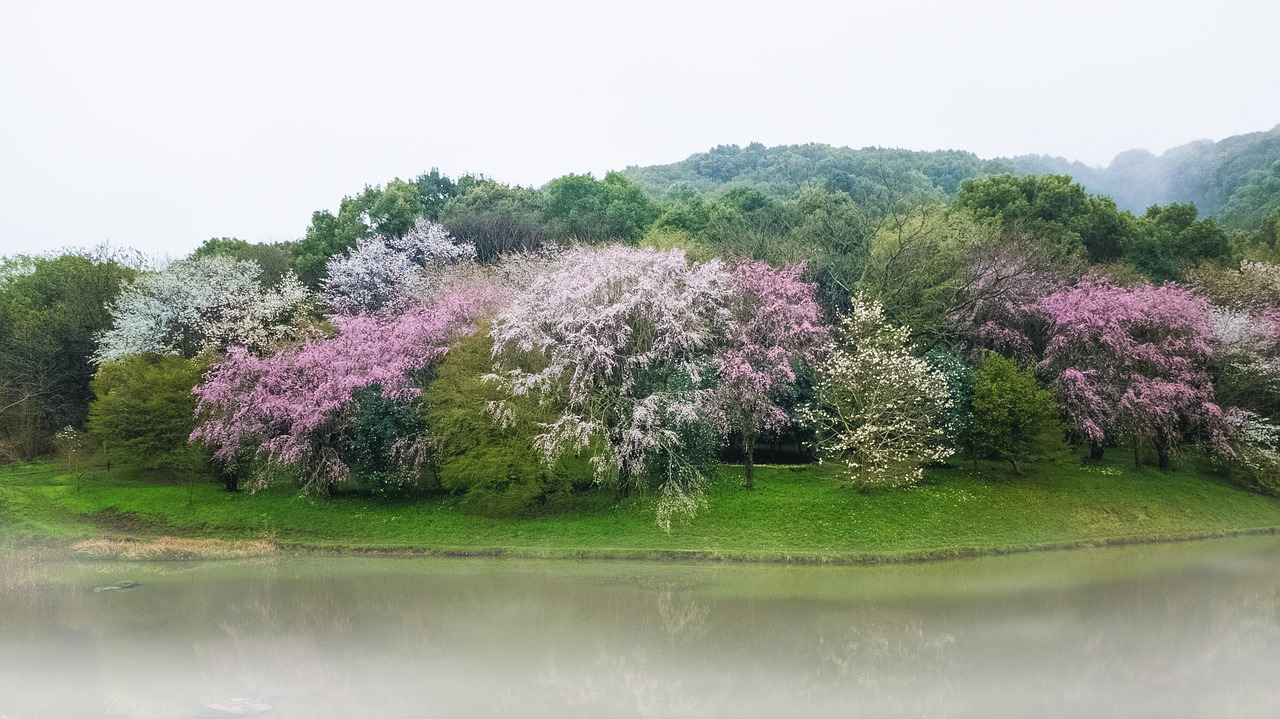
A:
(782, 170)
(1236, 179)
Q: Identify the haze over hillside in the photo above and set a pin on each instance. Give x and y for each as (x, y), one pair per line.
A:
(1236, 179)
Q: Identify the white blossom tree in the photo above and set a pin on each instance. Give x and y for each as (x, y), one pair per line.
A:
(205, 303)
(878, 409)
(383, 274)
(621, 339)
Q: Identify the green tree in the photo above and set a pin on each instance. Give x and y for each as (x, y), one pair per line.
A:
(372, 445)
(494, 464)
(434, 190)
(834, 235)
(1171, 239)
(496, 218)
(51, 311)
(388, 212)
(275, 259)
(593, 211)
(328, 235)
(1051, 206)
(683, 210)
(917, 267)
(144, 411)
(1011, 412)
(393, 210)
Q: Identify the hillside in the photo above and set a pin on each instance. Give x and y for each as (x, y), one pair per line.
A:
(1236, 179)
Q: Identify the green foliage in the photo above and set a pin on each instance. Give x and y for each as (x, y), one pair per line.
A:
(669, 239)
(1011, 412)
(51, 310)
(916, 267)
(958, 419)
(496, 218)
(1051, 206)
(275, 259)
(1235, 179)
(434, 190)
(683, 210)
(1170, 239)
(872, 176)
(375, 444)
(328, 235)
(144, 410)
(495, 466)
(1261, 476)
(389, 211)
(393, 210)
(593, 211)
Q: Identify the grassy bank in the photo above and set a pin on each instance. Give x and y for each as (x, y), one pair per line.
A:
(796, 513)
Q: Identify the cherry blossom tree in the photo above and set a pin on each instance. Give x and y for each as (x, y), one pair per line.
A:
(622, 340)
(381, 273)
(776, 326)
(199, 304)
(1131, 362)
(290, 409)
(879, 410)
(996, 304)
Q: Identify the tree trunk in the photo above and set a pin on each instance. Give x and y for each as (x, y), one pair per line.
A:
(1014, 461)
(1163, 455)
(1137, 455)
(749, 449)
(1095, 451)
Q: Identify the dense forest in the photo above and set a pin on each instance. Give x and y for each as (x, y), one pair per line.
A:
(877, 310)
(1236, 180)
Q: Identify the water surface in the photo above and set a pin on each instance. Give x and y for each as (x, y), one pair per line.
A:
(1182, 630)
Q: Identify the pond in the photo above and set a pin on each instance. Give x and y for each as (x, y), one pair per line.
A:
(1170, 630)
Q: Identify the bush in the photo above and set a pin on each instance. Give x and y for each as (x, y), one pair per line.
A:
(1012, 414)
(495, 466)
(376, 441)
(144, 411)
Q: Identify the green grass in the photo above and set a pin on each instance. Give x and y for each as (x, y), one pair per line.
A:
(797, 513)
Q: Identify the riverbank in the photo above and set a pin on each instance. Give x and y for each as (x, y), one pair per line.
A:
(796, 514)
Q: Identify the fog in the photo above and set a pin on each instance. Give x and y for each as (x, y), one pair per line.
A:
(159, 125)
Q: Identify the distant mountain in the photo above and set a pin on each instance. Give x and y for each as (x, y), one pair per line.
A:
(1236, 179)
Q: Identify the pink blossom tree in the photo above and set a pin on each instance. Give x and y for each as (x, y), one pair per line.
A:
(1131, 362)
(290, 408)
(776, 326)
(996, 304)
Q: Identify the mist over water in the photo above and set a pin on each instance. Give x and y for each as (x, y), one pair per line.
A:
(1159, 631)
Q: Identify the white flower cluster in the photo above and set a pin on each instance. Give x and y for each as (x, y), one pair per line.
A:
(879, 409)
(385, 273)
(623, 336)
(206, 303)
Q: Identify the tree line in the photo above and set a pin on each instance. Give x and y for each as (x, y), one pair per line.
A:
(517, 345)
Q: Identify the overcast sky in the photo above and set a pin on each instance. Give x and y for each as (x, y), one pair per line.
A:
(159, 125)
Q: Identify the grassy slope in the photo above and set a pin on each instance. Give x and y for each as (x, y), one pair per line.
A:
(794, 513)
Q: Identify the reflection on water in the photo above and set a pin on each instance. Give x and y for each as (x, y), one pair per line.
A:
(1163, 631)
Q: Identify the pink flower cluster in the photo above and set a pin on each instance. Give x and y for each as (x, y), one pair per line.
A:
(288, 407)
(1130, 360)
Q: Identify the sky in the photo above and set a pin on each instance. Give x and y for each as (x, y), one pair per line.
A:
(159, 125)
